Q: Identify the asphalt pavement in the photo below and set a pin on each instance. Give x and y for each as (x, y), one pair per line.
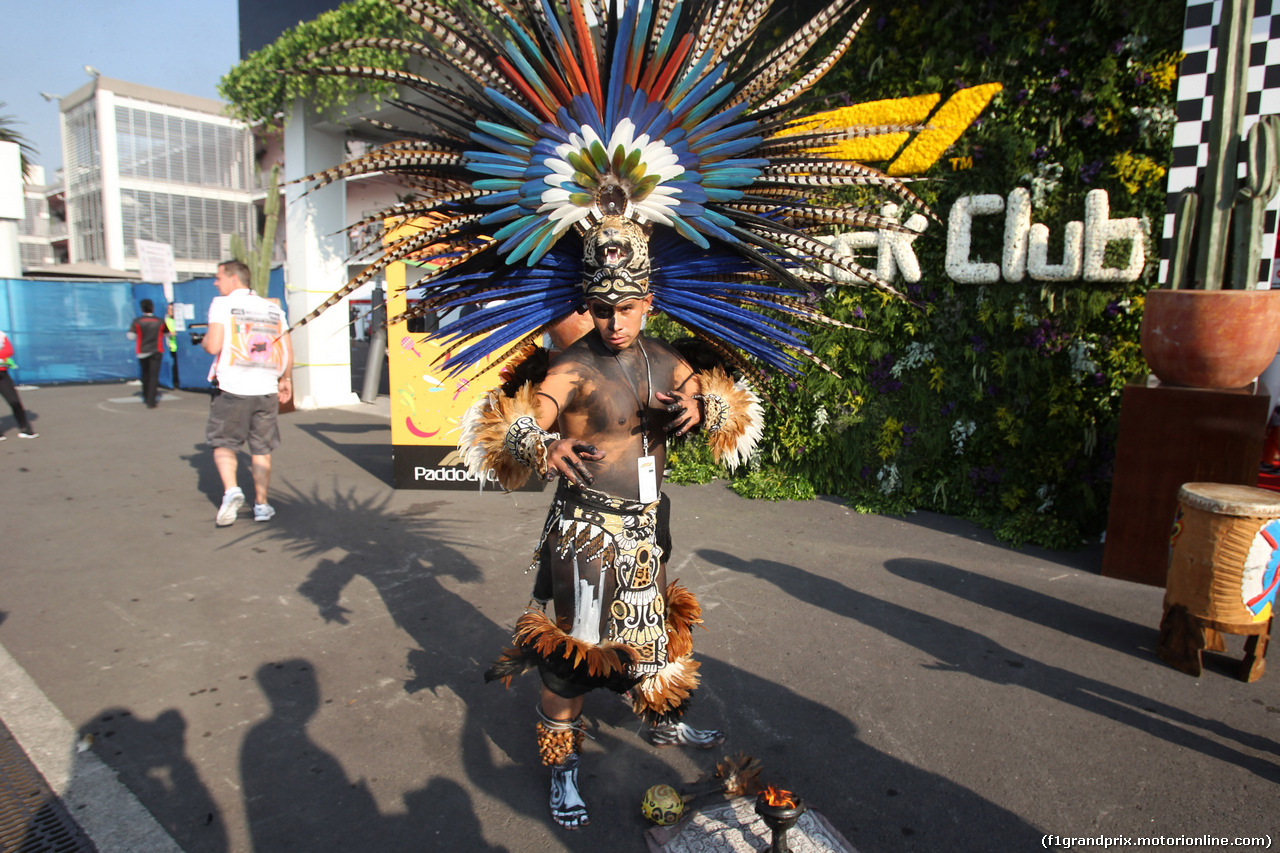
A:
(314, 683)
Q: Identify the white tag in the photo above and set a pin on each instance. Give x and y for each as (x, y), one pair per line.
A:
(647, 470)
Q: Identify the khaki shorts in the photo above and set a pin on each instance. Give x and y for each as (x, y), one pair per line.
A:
(233, 420)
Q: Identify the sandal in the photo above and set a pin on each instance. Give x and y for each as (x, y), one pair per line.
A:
(567, 808)
(681, 734)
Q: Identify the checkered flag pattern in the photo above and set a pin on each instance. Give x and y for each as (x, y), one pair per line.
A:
(1195, 105)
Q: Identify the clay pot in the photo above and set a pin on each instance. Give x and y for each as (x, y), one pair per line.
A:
(1210, 338)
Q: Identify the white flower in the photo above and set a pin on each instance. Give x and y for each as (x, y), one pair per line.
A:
(889, 479)
(917, 354)
(1045, 495)
(820, 418)
(1099, 230)
(1081, 363)
(960, 237)
(1048, 176)
(960, 431)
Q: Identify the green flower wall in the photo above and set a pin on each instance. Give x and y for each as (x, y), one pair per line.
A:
(996, 402)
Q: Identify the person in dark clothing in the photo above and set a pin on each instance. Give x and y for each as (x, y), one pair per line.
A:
(10, 393)
(148, 335)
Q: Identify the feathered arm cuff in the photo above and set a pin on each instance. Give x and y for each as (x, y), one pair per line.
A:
(501, 434)
(733, 418)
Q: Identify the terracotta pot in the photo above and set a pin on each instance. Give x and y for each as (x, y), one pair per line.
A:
(1210, 338)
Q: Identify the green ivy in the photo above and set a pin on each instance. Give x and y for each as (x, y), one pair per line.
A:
(264, 86)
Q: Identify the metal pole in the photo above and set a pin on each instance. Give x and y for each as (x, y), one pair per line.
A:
(377, 346)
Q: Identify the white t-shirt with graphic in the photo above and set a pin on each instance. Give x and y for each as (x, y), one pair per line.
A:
(253, 352)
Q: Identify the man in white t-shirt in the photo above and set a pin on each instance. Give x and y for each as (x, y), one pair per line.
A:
(253, 375)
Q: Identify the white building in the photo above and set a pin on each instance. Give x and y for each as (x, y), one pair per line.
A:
(145, 164)
(42, 232)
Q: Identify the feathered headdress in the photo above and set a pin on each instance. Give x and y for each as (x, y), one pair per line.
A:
(550, 120)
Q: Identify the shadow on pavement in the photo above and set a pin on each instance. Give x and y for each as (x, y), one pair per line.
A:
(298, 797)
(374, 458)
(151, 758)
(1110, 632)
(961, 649)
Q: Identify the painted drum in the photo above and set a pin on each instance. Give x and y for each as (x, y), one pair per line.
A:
(1224, 553)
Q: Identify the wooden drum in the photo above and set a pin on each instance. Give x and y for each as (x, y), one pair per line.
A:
(1224, 552)
(1223, 558)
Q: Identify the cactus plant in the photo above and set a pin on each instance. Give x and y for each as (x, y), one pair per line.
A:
(259, 258)
(1224, 215)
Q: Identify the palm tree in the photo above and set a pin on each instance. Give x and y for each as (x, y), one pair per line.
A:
(8, 134)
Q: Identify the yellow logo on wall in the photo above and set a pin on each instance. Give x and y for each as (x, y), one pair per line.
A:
(942, 127)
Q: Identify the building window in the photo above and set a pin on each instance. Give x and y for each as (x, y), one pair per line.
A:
(161, 147)
(199, 229)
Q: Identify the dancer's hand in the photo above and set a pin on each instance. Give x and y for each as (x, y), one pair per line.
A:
(685, 411)
(565, 456)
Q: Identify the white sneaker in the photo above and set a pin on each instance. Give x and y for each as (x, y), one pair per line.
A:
(4, 438)
(263, 512)
(28, 435)
(232, 500)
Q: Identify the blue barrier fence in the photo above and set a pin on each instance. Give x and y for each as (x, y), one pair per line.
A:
(75, 331)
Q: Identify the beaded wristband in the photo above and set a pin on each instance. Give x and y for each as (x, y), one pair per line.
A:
(717, 412)
(527, 444)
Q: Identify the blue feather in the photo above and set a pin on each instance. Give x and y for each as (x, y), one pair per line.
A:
(506, 134)
(720, 194)
(504, 214)
(729, 177)
(731, 147)
(585, 114)
(496, 184)
(691, 78)
(496, 169)
(512, 107)
(721, 119)
(706, 105)
(498, 145)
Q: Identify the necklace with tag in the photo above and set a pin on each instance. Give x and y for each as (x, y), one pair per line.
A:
(646, 465)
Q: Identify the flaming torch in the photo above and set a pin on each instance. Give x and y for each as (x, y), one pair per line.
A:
(780, 810)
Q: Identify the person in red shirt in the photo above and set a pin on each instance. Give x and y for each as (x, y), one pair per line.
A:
(148, 334)
(10, 393)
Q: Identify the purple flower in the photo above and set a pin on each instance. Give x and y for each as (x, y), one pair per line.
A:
(977, 344)
(1054, 87)
(857, 312)
(1118, 47)
(1021, 97)
(1090, 171)
(791, 386)
(882, 22)
(1088, 119)
(1040, 153)
(1063, 74)
(1142, 78)
(1112, 309)
(866, 472)
(881, 377)
(978, 150)
(948, 407)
